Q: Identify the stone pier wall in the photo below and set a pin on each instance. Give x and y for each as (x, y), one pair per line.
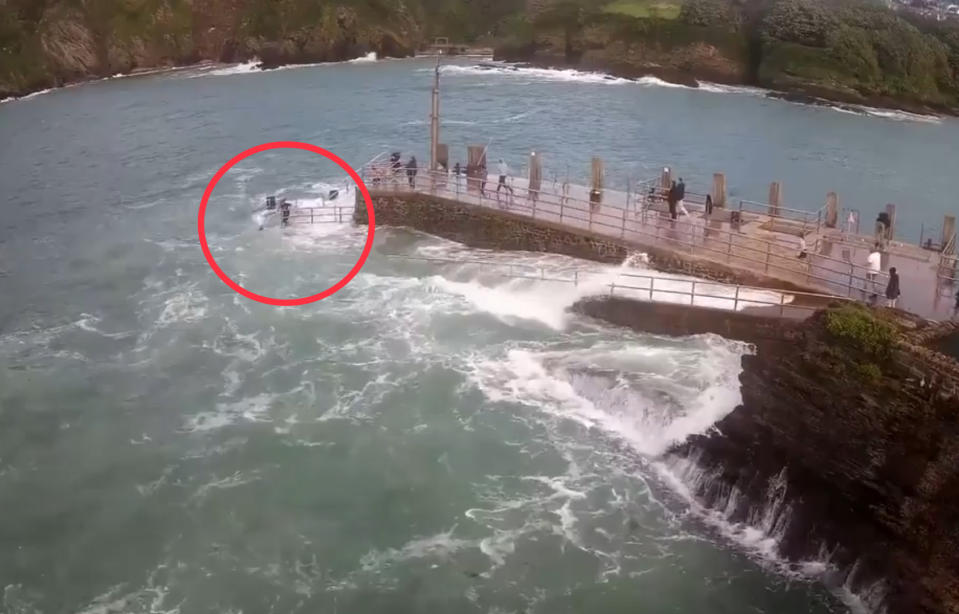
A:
(680, 320)
(486, 228)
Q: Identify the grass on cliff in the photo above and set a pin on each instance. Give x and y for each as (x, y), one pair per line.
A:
(661, 9)
(858, 329)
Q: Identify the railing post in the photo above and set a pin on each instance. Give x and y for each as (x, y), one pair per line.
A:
(767, 256)
(311, 216)
(692, 295)
(782, 304)
(652, 282)
(729, 245)
(736, 299)
(576, 278)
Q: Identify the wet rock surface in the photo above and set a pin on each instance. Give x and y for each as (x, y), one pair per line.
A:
(865, 442)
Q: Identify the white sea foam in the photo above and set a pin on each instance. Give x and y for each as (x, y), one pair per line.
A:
(28, 96)
(719, 88)
(542, 74)
(649, 80)
(253, 66)
(761, 532)
(591, 387)
(548, 301)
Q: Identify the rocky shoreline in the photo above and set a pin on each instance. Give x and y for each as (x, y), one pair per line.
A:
(693, 78)
(845, 448)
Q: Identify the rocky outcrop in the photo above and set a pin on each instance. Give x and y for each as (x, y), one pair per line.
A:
(72, 41)
(855, 424)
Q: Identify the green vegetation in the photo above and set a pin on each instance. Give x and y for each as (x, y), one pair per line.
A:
(857, 50)
(48, 42)
(851, 49)
(857, 328)
(862, 339)
(644, 8)
(860, 46)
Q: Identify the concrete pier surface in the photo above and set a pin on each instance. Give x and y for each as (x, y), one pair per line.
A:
(745, 239)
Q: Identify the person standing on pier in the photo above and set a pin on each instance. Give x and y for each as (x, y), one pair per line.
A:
(671, 200)
(874, 263)
(681, 197)
(411, 171)
(892, 288)
(503, 175)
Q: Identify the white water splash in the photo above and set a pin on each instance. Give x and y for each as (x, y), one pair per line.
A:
(542, 74)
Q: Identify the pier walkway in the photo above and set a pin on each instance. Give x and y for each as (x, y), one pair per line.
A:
(741, 237)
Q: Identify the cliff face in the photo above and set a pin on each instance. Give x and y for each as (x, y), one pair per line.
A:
(44, 43)
(847, 442)
(631, 48)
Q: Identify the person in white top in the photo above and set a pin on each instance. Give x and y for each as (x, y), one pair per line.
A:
(802, 247)
(850, 222)
(503, 174)
(874, 264)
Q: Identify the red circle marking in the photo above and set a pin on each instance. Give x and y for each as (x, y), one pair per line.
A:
(269, 300)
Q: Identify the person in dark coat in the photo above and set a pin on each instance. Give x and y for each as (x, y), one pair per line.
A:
(892, 288)
(671, 199)
(411, 171)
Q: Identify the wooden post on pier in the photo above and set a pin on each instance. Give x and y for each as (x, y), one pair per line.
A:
(719, 190)
(947, 245)
(775, 198)
(476, 168)
(443, 156)
(596, 190)
(832, 210)
(535, 176)
(666, 179)
(890, 232)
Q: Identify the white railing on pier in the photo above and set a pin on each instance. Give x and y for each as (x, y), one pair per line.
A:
(655, 288)
(640, 223)
(330, 214)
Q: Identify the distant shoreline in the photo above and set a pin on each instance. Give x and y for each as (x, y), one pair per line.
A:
(875, 107)
(803, 95)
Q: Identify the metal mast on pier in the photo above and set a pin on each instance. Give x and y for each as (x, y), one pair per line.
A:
(435, 117)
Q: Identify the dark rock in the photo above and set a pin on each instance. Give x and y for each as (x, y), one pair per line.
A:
(870, 468)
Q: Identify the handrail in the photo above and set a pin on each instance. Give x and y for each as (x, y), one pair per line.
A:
(329, 214)
(650, 289)
(570, 209)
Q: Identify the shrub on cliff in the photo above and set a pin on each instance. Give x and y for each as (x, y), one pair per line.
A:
(708, 13)
(856, 328)
(806, 22)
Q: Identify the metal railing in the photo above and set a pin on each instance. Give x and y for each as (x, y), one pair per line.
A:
(642, 225)
(654, 288)
(335, 214)
(809, 219)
